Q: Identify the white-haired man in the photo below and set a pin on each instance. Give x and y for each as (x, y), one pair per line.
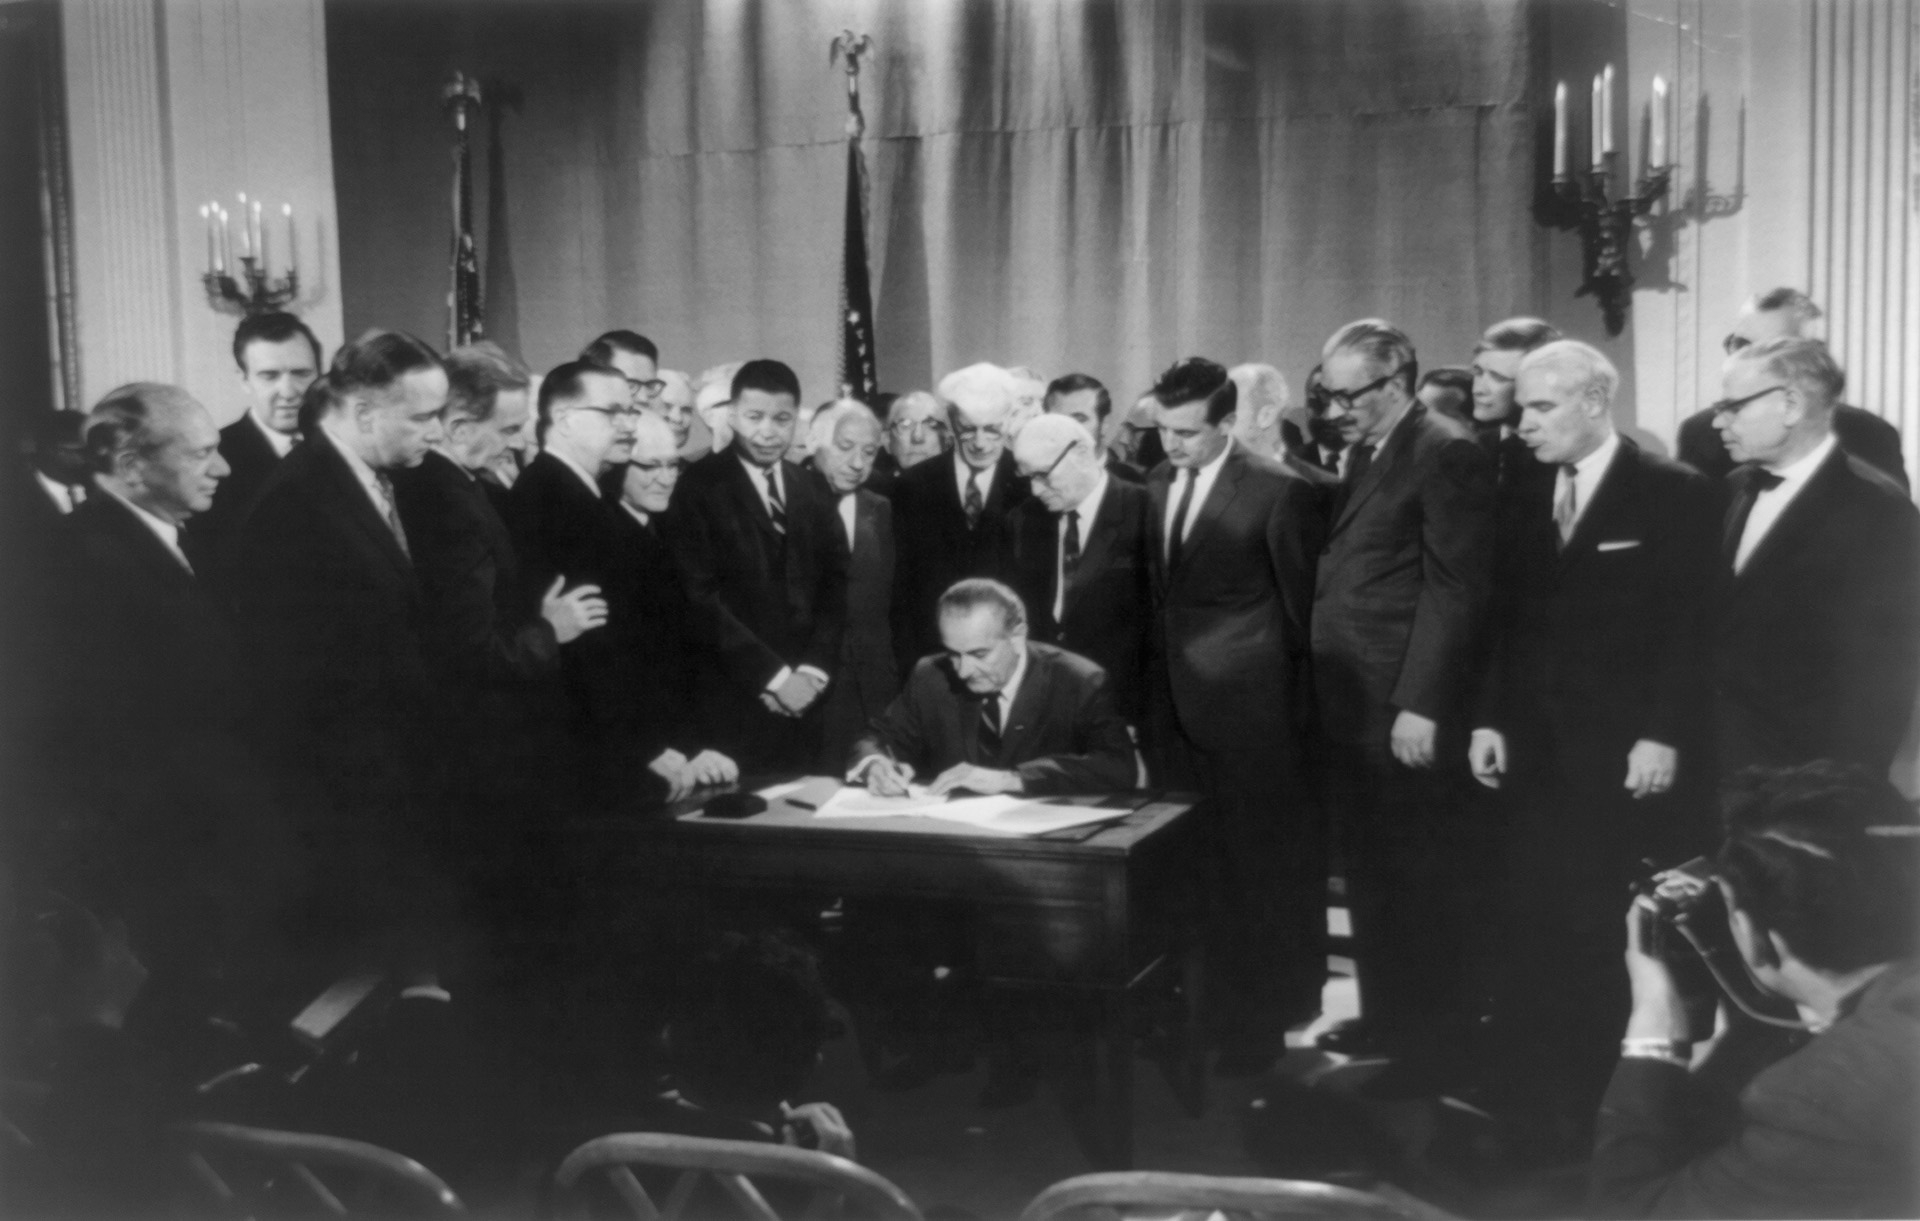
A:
(951, 514)
(1593, 716)
(1263, 395)
(845, 446)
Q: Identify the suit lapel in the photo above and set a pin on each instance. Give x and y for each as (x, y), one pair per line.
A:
(1376, 474)
(1096, 537)
(1024, 719)
(747, 499)
(360, 509)
(1207, 513)
(1614, 494)
(1158, 490)
(1801, 515)
(119, 520)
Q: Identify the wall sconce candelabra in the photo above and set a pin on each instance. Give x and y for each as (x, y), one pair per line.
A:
(1586, 203)
(241, 281)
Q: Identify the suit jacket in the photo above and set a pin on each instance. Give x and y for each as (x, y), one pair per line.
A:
(761, 602)
(868, 677)
(1403, 582)
(331, 617)
(652, 636)
(1108, 607)
(250, 459)
(1233, 619)
(1295, 439)
(885, 474)
(479, 631)
(1063, 734)
(937, 549)
(1861, 433)
(1829, 1131)
(1123, 472)
(1816, 650)
(1605, 642)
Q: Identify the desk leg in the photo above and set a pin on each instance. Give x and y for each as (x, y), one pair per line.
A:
(1117, 1042)
(1191, 1080)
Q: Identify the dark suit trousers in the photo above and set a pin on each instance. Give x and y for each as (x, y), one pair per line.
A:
(1403, 837)
(1264, 874)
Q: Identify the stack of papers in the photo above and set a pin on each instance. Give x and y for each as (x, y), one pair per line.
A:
(1001, 814)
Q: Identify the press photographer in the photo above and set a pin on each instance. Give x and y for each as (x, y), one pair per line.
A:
(1819, 872)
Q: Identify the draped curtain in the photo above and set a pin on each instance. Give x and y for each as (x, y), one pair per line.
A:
(1093, 185)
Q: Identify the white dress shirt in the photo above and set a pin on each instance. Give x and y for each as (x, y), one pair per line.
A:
(964, 474)
(1204, 479)
(639, 515)
(61, 494)
(1586, 475)
(760, 476)
(1086, 509)
(164, 530)
(847, 510)
(282, 442)
(1770, 504)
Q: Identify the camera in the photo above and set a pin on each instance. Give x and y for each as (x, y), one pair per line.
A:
(1684, 924)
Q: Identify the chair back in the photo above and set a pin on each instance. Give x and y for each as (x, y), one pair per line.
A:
(816, 1185)
(1121, 1194)
(258, 1173)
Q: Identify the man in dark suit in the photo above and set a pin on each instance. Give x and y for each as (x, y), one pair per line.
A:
(994, 712)
(1496, 413)
(765, 563)
(1231, 547)
(1816, 655)
(950, 514)
(329, 609)
(278, 358)
(1077, 553)
(1401, 595)
(1309, 437)
(1084, 400)
(846, 446)
(1788, 312)
(1593, 716)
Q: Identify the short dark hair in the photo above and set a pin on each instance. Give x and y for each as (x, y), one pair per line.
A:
(601, 350)
(377, 360)
(476, 374)
(1451, 377)
(748, 1024)
(1827, 855)
(1194, 379)
(564, 383)
(1776, 299)
(768, 377)
(276, 326)
(1074, 383)
(1518, 335)
(965, 596)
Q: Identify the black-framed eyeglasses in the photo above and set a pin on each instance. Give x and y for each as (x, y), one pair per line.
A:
(990, 432)
(674, 465)
(1043, 476)
(647, 389)
(917, 428)
(1347, 398)
(1733, 406)
(629, 414)
(1733, 343)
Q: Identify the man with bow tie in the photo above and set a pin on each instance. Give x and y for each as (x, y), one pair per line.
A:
(1592, 715)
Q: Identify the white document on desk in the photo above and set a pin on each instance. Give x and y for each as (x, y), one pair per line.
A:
(1000, 814)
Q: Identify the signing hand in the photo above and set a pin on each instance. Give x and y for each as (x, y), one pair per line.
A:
(1487, 756)
(1412, 739)
(1651, 768)
(579, 610)
(712, 767)
(798, 692)
(887, 778)
(976, 779)
(671, 766)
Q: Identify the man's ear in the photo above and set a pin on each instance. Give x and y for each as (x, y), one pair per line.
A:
(1796, 403)
(1228, 420)
(1758, 946)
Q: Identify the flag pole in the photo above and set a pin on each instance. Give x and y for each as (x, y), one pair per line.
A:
(857, 370)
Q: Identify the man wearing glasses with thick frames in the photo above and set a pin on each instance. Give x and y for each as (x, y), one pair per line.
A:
(1817, 653)
(1401, 595)
(1787, 313)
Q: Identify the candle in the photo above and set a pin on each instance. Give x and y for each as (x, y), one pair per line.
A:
(225, 247)
(1560, 130)
(246, 251)
(206, 223)
(1606, 110)
(1657, 121)
(259, 237)
(1593, 125)
(293, 246)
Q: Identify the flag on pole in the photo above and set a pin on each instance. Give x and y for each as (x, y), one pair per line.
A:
(466, 312)
(857, 368)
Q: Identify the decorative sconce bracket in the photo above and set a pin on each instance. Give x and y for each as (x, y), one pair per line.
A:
(1605, 224)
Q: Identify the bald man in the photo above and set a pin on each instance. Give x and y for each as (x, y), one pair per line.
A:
(1593, 717)
(1076, 552)
(950, 513)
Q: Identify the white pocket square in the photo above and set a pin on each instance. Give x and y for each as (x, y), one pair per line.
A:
(1619, 544)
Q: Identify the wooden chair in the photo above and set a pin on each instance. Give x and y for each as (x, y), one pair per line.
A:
(260, 1173)
(831, 1185)
(1130, 1193)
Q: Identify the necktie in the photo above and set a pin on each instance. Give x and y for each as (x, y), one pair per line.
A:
(78, 493)
(1177, 542)
(1329, 459)
(1566, 506)
(385, 483)
(990, 724)
(975, 504)
(1070, 546)
(1357, 467)
(1758, 481)
(776, 507)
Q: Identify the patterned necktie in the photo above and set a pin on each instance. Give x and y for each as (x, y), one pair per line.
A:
(1758, 481)
(385, 483)
(1070, 546)
(1177, 542)
(990, 724)
(776, 507)
(1566, 504)
(976, 505)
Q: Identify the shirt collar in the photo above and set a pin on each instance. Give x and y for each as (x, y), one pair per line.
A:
(761, 474)
(61, 494)
(1214, 466)
(358, 465)
(639, 515)
(586, 477)
(166, 531)
(281, 442)
(1594, 463)
(1801, 469)
(966, 474)
(1388, 434)
(1091, 505)
(1011, 688)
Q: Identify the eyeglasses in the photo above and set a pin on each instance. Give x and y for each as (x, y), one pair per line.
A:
(1347, 398)
(629, 414)
(986, 432)
(1043, 476)
(670, 465)
(917, 428)
(1733, 406)
(647, 389)
(1733, 343)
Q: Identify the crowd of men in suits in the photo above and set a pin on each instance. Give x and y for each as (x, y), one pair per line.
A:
(423, 607)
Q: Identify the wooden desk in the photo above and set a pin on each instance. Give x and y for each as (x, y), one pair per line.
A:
(1092, 911)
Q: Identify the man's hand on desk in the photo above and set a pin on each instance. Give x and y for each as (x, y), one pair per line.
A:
(797, 694)
(671, 766)
(976, 779)
(887, 777)
(712, 767)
